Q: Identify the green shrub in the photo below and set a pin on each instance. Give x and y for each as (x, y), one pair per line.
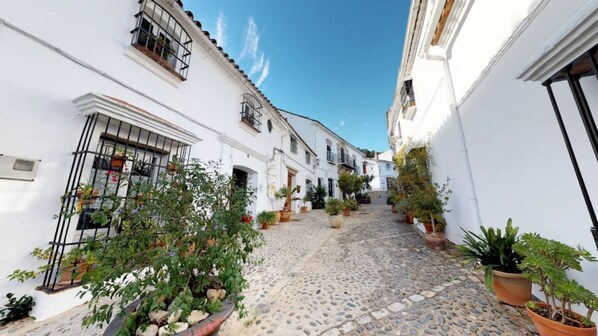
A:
(546, 263)
(334, 206)
(266, 217)
(16, 309)
(319, 198)
(351, 204)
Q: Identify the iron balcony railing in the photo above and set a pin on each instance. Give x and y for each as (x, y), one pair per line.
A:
(346, 161)
(331, 157)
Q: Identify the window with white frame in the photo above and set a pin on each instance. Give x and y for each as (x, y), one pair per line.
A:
(293, 145)
(307, 157)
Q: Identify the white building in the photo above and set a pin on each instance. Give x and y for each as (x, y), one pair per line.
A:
(334, 153)
(102, 77)
(382, 168)
(476, 82)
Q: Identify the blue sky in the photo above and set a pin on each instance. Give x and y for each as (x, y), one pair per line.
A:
(331, 60)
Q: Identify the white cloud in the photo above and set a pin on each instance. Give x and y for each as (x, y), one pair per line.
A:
(252, 40)
(342, 124)
(258, 64)
(265, 73)
(221, 30)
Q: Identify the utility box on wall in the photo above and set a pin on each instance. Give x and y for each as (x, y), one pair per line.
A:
(15, 168)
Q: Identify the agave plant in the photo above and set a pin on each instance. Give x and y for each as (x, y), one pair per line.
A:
(493, 250)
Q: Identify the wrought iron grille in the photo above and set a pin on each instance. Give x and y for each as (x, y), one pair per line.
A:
(330, 156)
(251, 112)
(307, 157)
(110, 157)
(159, 36)
(585, 65)
(294, 145)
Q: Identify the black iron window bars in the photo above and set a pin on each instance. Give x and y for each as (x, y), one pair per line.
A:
(111, 156)
(159, 36)
(251, 111)
(293, 145)
(584, 66)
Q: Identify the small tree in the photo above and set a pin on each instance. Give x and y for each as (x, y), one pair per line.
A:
(349, 183)
(319, 198)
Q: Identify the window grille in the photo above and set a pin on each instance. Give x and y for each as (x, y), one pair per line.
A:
(307, 157)
(110, 157)
(251, 112)
(330, 156)
(159, 36)
(294, 145)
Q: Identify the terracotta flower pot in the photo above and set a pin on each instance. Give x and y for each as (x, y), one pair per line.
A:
(277, 218)
(303, 209)
(285, 215)
(75, 272)
(428, 227)
(265, 226)
(547, 327)
(347, 212)
(435, 241)
(512, 288)
(336, 221)
(117, 162)
(410, 218)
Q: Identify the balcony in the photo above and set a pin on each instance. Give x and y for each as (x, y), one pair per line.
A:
(331, 157)
(346, 161)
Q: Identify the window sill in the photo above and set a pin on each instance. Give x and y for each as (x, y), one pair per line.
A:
(147, 62)
(247, 126)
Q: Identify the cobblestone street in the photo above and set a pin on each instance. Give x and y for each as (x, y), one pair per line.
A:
(374, 276)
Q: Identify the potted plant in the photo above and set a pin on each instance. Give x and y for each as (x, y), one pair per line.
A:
(429, 203)
(305, 199)
(319, 198)
(546, 263)
(265, 218)
(333, 209)
(118, 159)
(350, 205)
(86, 194)
(501, 263)
(286, 194)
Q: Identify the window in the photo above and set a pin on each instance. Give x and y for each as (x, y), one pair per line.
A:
(320, 181)
(354, 161)
(293, 144)
(307, 157)
(329, 154)
(408, 106)
(111, 156)
(159, 36)
(330, 188)
(388, 166)
(269, 126)
(251, 112)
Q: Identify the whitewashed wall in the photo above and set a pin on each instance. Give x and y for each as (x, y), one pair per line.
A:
(520, 166)
(40, 121)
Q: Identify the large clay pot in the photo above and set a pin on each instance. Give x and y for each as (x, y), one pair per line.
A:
(435, 241)
(277, 218)
(428, 227)
(347, 212)
(208, 327)
(547, 327)
(512, 288)
(336, 221)
(265, 226)
(410, 218)
(285, 215)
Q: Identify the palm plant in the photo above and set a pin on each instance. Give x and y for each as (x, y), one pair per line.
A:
(493, 250)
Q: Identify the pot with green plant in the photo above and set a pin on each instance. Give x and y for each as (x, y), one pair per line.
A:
(287, 195)
(265, 218)
(305, 199)
(333, 209)
(350, 205)
(319, 198)
(494, 251)
(182, 256)
(546, 262)
(118, 159)
(429, 204)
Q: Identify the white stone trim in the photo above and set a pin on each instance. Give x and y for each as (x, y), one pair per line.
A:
(235, 144)
(152, 66)
(574, 38)
(95, 103)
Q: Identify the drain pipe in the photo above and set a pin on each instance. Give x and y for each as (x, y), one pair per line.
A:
(455, 109)
(454, 106)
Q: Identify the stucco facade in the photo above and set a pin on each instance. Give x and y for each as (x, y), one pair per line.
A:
(474, 93)
(334, 153)
(58, 75)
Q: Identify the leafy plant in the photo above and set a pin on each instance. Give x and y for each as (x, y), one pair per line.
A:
(349, 183)
(334, 206)
(493, 250)
(429, 202)
(351, 204)
(16, 309)
(266, 217)
(319, 198)
(283, 193)
(185, 239)
(546, 263)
